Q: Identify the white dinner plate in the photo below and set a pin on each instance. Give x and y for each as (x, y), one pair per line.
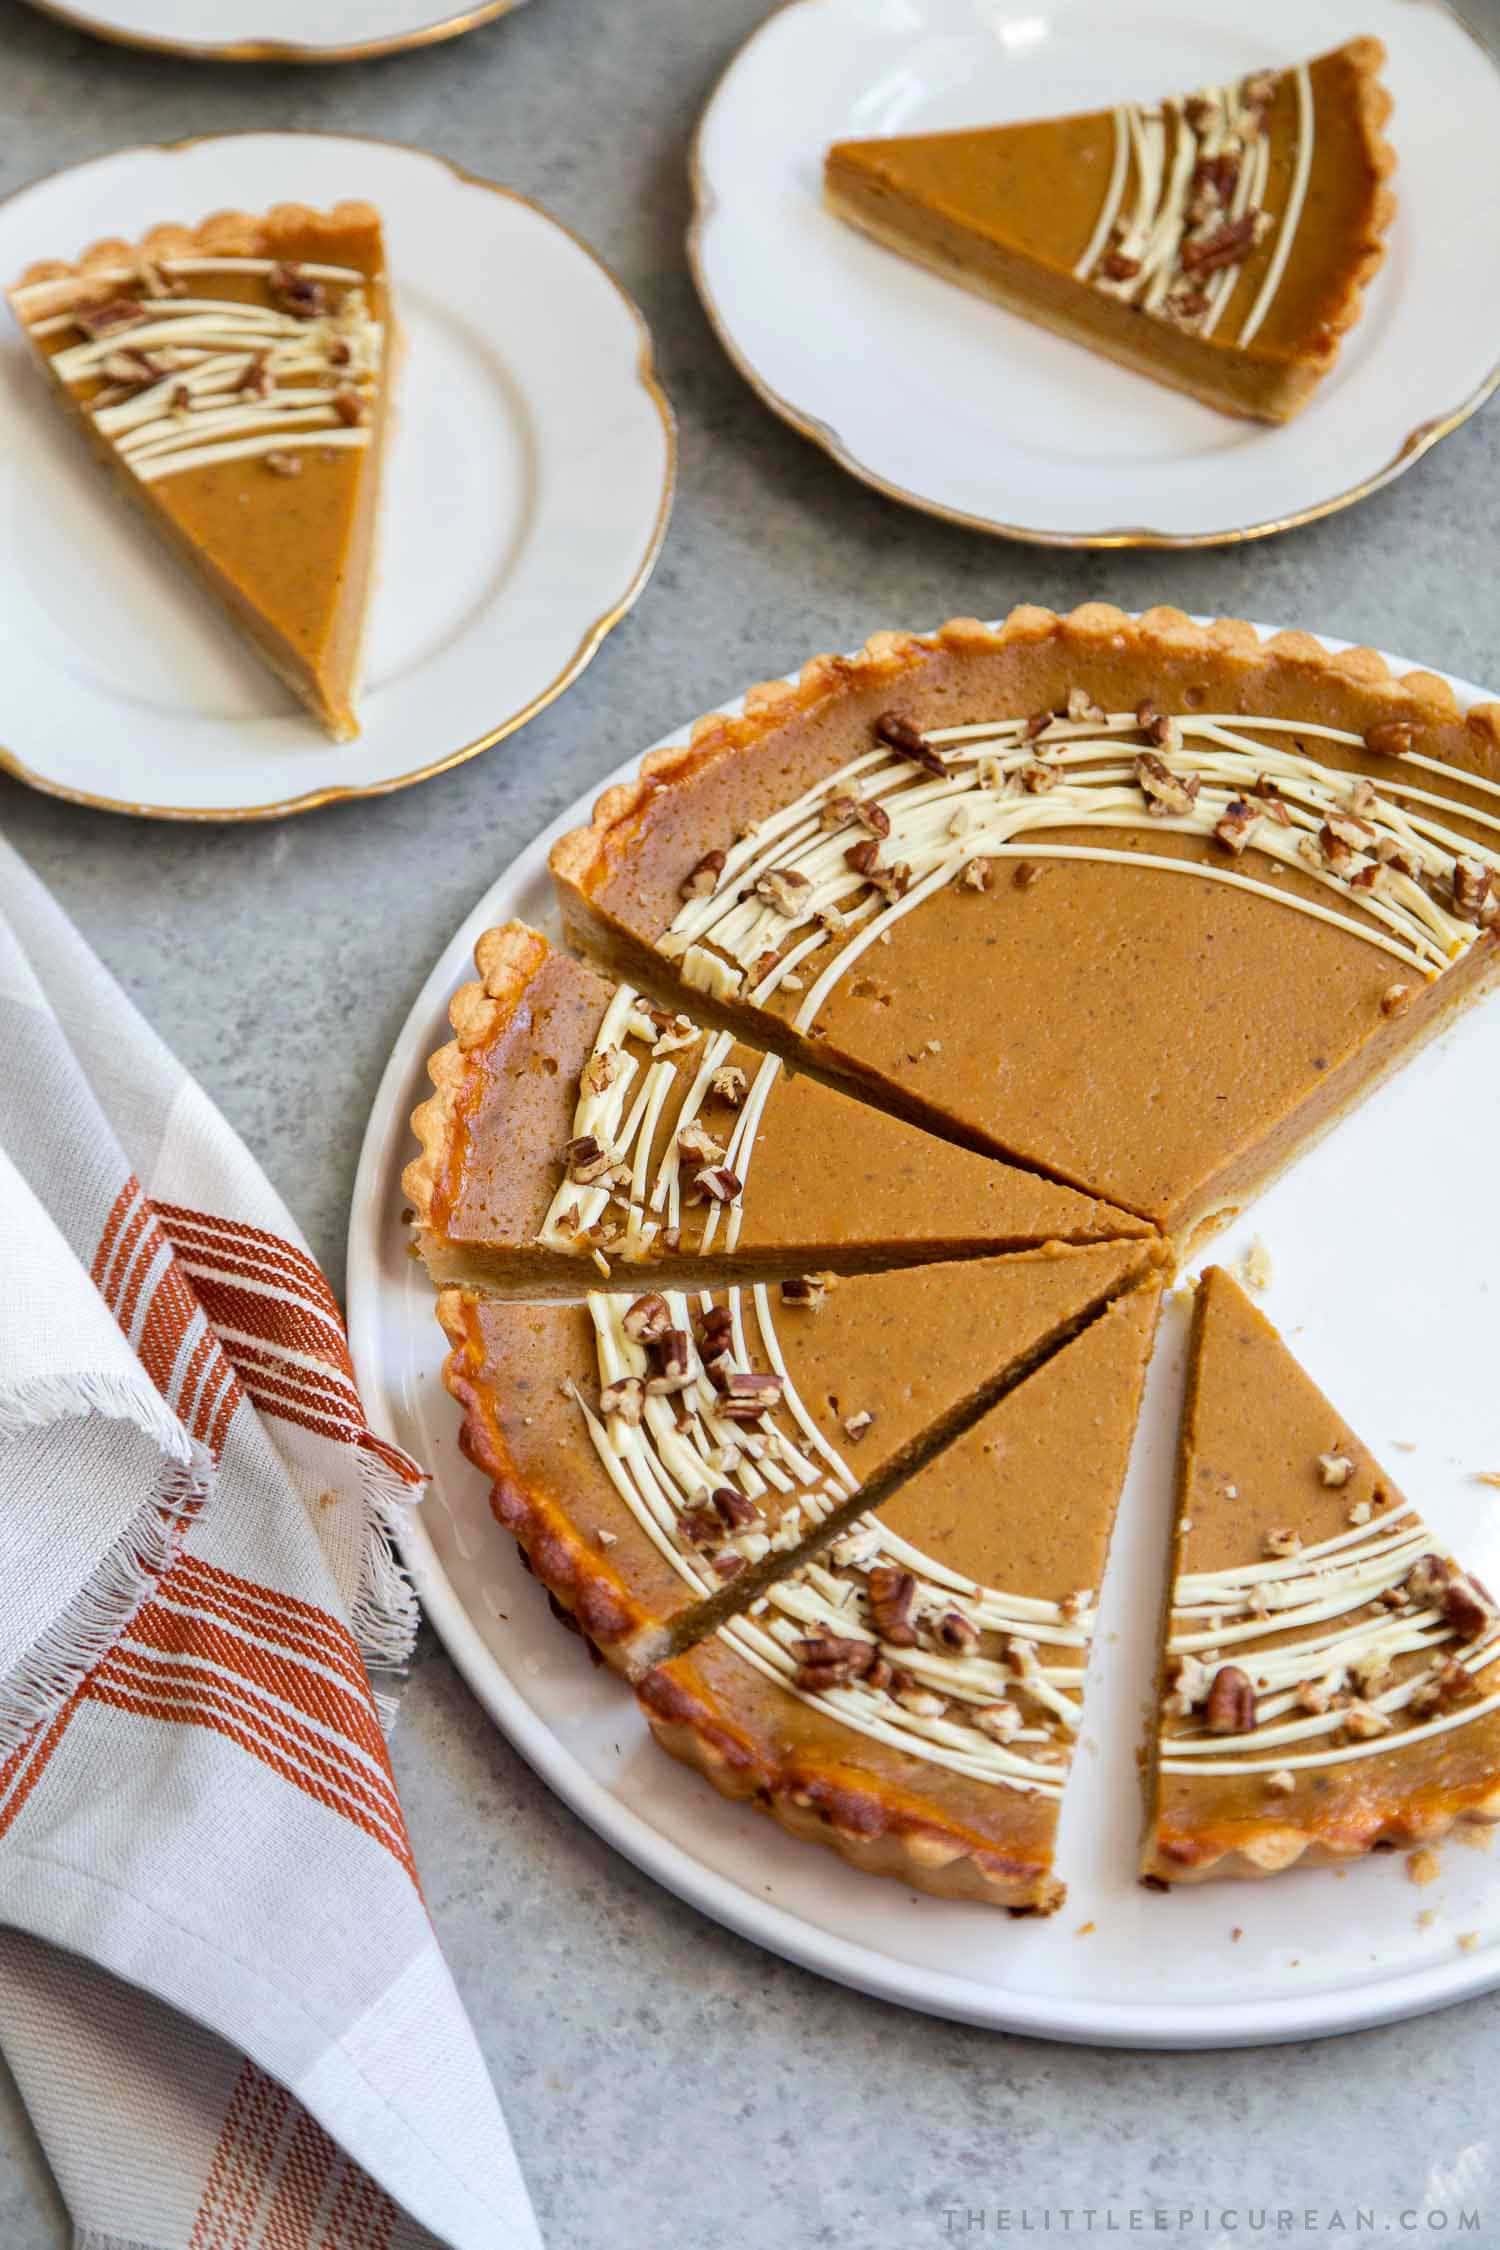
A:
(527, 490)
(941, 399)
(275, 30)
(1386, 1275)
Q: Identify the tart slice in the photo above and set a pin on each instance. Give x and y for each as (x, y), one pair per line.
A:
(1139, 903)
(234, 380)
(1217, 241)
(574, 1125)
(649, 1452)
(912, 1698)
(1331, 1678)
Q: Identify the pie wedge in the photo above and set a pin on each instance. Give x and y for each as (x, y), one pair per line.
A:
(1330, 1678)
(912, 1698)
(1138, 903)
(572, 1122)
(1218, 241)
(647, 1452)
(234, 380)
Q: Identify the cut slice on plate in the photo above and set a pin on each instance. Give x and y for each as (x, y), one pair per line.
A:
(1141, 903)
(1330, 1678)
(912, 1698)
(234, 379)
(648, 1453)
(575, 1125)
(1219, 241)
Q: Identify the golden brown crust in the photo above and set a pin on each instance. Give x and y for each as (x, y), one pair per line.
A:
(224, 234)
(1372, 106)
(585, 859)
(578, 1577)
(1210, 1853)
(507, 959)
(874, 1827)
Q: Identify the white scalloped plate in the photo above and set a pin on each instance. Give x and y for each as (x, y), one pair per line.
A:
(527, 490)
(945, 401)
(1387, 1273)
(275, 30)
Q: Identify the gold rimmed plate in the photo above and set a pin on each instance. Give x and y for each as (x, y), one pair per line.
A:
(940, 399)
(274, 30)
(528, 487)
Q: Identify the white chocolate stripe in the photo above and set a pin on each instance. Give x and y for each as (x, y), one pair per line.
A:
(1377, 1746)
(72, 283)
(1291, 217)
(243, 449)
(1109, 209)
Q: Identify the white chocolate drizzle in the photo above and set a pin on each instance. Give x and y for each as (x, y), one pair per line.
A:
(981, 808)
(1191, 169)
(1328, 1598)
(218, 379)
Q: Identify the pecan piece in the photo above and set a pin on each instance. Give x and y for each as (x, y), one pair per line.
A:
(1168, 795)
(1116, 266)
(728, 1084)
(955, 1632)
(1472, 888)
(626, 1397)
(1390, 738)
(671, 1363)
(855, 1425)
(808, 1289)
(1465, 1608)
(734, 1510)
(784, 888)
(283, 464)
(1226, 246)
(1335, 1469)
(587, 1159)
(647, 1319)
(715, 1333)
(695, 1141)
(351, 406)
(1236, 824)
(1427, 1580)
(1230, 1708)
(826, 1660)
(907, 741)
(703, 876)
(718, 1184)
(297, 292)
(892, 1594)
(110, 317)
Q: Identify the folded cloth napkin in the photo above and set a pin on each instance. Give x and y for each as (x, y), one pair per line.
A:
(220, 1993)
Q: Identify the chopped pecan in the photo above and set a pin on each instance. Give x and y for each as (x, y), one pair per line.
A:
(701, 1526)
(1226, 246)
(671, 1363)
(826, 1660)
(297, 292)
(1036, 779)
(647, 1319)
(1399, 858)
(1167, 794)
(1230, 1708)
(855, 1425)
(718, 1184)
(587, 1159)
(674, 1034)
(1116, 266)
(1472, 888)
(1000, 1721)
(1271, 800)
(892, 1594)
(703, 876)
(350, 405)
(1465, 1609)
(785, 888)
(1282, 1782)
(863, 858)
(283, 464)
(1236, 824)
(626, 1397)
(1362, 1722)
(749, 1396)
(734, 1510)
(1335, 1469)
(715, 1333)
(729, 1564)
(1083, 710)
(1360, 797)
(1036, 726)
(955, 1632)
(1281, 1542)
(809, 1290)
(922, 1702)
(728, 1083)
(1395, 1000)
(1390, 738)
(907, 741)
(695, 1141)
(978, 874)
(1427, 1580)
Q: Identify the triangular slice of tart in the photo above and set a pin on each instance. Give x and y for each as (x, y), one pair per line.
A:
(1141, 903)
(649, 1453)
(1218, 241)
(574, 1125)
(234, 379)
(912, 1698)
(1330, 1675)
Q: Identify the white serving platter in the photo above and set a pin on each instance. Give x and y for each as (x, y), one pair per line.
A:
(1385, 1241)
(528, 485)
(280, 31)
(947, 402)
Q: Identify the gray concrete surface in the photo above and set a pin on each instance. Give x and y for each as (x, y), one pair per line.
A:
(667, 2085)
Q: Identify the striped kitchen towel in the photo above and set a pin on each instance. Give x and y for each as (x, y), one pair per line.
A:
(220, 1993)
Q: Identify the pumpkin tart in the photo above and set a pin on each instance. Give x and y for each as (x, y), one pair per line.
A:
(1331, 1677)
(1218, 241)
(234, 380)
(1141, 904)
(656, 1456)
(912, 1697)
(575, 1125)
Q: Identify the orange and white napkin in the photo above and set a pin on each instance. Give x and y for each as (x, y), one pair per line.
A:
(220, 1993)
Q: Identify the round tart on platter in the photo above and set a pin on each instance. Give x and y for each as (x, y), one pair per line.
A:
(936, 1001)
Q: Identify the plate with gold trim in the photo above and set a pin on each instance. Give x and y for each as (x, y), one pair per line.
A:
(527, 489)
(275, 30)
(941, 399)
(1384, 1314)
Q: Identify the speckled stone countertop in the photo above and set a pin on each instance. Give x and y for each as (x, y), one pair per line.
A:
(667, 2085)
